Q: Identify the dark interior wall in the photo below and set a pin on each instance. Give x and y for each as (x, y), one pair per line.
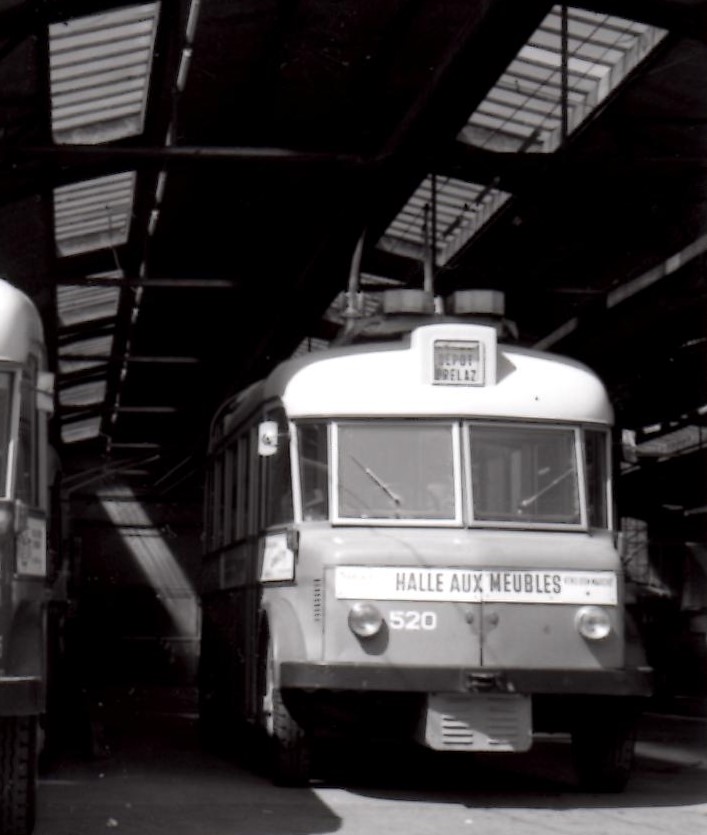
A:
(135, 614)
(665, 555)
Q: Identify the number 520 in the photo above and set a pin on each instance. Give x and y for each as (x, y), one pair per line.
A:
(399, 619)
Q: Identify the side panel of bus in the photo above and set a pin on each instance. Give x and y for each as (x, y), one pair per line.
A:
(229, 592)
(246, 495)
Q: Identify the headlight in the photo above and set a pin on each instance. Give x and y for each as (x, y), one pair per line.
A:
(592, 623)
(365, 620)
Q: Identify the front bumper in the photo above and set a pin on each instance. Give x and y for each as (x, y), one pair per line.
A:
(637, 682)
(20, 696)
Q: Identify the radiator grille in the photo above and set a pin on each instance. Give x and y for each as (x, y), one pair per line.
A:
(492, 722)
(318, 600)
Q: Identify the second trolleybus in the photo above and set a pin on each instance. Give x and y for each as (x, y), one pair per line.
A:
(26, 572)
(419, 537)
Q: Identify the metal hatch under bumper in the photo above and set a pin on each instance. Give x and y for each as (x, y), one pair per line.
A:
(20, 696)
(634, 682)
(499, 722)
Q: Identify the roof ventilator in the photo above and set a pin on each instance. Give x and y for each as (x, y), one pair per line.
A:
(396, 312)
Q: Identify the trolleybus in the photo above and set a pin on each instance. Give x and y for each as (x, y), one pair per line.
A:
(418, 537)
(25, 402)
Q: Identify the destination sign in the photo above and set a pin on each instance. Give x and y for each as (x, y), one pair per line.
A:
(475, 585)
(457, 363)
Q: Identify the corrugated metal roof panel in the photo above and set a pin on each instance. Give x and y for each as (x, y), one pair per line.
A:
(99, 68)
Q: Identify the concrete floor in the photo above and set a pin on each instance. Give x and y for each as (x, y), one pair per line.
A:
(146, 774)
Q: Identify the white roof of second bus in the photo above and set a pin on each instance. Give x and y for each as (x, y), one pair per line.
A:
(20, 324)
(388, 380)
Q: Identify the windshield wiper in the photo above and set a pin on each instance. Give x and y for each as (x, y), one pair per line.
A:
(394, 497)
(535, 496)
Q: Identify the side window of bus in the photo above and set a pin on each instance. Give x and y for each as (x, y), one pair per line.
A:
(6, 399)
(276, 477)
(208, 513)
(253, 484)
(241, 499)
(232, 478)
(216, 502)
(27, 475)
(227, 496)
(314, 470)
(596, 447)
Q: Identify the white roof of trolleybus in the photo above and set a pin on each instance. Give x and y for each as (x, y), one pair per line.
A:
(394, 380)
(20, 324)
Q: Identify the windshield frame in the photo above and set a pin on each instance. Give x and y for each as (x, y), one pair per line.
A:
(451, 424)
(464, 508)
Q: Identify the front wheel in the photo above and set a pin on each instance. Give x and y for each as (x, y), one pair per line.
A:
(289, 747)
(603, 753)
(18, 774)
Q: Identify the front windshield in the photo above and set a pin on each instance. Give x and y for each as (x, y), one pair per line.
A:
(396, 471)
(519, 474)
(524, 474)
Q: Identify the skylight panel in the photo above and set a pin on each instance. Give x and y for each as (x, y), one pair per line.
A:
(462, 208)
(77, 304)
(80, 430)
(601, 50)
(85, 354)
(93, 214)
(99, 71)
(85, 394)
(677, 442)
(524, 112)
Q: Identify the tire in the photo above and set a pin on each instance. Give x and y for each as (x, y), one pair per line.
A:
(603, 755)
(18, 774)
(289, 748)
